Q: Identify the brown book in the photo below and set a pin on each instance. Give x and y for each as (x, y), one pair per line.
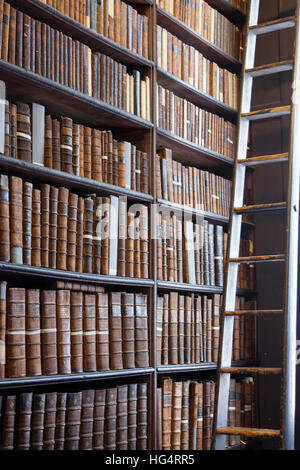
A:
(79, 231)
(48, 332)
(5, 31)
(37, 421)
(167, 385)
(216, 326)
(27, 222)
(165, 331)
(96, 155)
(98, 419)
(132, 417)
(19, 39)
(199, 441)
(128, 331)
(142, 416)
(89, 333)
(185, 415)
(61, 407)
(71, 234)
(8, 422)
(86, 420)
(56, 150)
(96, 250)
(141, 331)
(15, 334)
(76, 149)
(159, 328)
(12, 36)
(33, 333)
(3, 287)
(206, 415)
(76, 324)
(72, 428)
(66, 145)
(45, 221)
(23, 132)
(110, 419)
(53, 215)
(62, 228)
(130, 245)
(173, 328)
(16, 226)
(102, 332)
(122, 238)
(176, 415)
(122, 417)
(194, 399)
(5, 218)
(88, 235)
(50, 421)
(36, 228)
(63, 331)
(24, 421)
(115, 330)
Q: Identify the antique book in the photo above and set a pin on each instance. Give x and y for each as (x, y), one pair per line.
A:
(122, 417)
(176, 415)
(98, 419)
(37, 421)
(3, 307)
(72, 426)
(128, 330)
(15, 333)
(132, 417)
(76, 328)
(142, 416)
(141, 331)
(5, 242)
(33, 333)
(50, 421)
(89, 333)
(110, 420)
(49, 332)
(63, 331)
(115, 331)
(24, 420)
(16, 226)
(86, 420)
(166, 413)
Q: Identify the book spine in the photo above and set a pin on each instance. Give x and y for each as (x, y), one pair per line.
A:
(63, 331)
(89, 333)
(33, 333)
(15, 334)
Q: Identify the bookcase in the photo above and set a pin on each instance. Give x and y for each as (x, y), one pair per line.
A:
(89, 109)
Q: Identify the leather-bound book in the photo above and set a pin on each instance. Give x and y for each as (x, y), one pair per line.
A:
(76, 149)
(60, 423)
(62, 228)
(141, 331)
(33, 333)
(4, 219)
(187, 329)
(36, 228)
(48, 332)
(102, 332)
(53, 212)
(72, 235)
(24, 420)
(199, 441)
(181, 329)
(19, 39)
(86, 420)
(194, 399)
(97, 219)
(209, 331)
(24, 132)
(128, 331)
(193, 330)
(176, 415)
(185, 415)
(115, 330)
(142, 416)
(122, 238)
(113, 235)
(96, 155)
(219, 259)
(165, 331)
(206, 415)
(6, 147)
(56, 148)
(50, 421)
(167, 385)
(87, 152)
(26, 41)
(79, 231)
(76, 323)
(216, 326)
(122, 417)
(159, 247)
(211, 250)
(72, 427)
(122, 164)
(98, 419)
(159, 418)
(37, 421)
(45, 220)
(16, 225)
(88, 235)
(189, 254)
(144, 173)
(89, 333)
(159, 328)
(130, 245)
(144, 242)
(206, 277)
(110, 423)
(132, 417)
(173, 328)
(3, 287)
(38, 47)
(15, 334)
(66, 144)
(63, 331)
(8, 422)
(12, 36)
(204, 327)
(5, 31)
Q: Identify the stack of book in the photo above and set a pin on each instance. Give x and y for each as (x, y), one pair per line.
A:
(190, 65)
(188, 329)
(54, 228)
(186, 120)
(208, 23)
(64, 331)
(113, 19)
(63, 145)
(186, 410)
(189, 186)
(38, 48)
(112, 418)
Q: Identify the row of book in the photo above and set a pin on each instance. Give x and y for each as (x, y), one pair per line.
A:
(54, 228)
(208, 23)
(61, 144)
(38, 48)
(186, 120)
(190, 65)
(113, 19)
(189, 186)
(112, 418)
(49, 332)
(188, 329)
(186, 409)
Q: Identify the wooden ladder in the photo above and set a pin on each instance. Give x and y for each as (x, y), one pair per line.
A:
(287, 369)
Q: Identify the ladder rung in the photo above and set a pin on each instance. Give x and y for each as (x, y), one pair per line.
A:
(254, 312)
(249, 432)
(267, 113)
(251, 370)
(257, 259)
(269, 69)
(275, 206)
(261, 160)
(271, 26)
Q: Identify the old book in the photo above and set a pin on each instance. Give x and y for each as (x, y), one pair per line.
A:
(86, 420)
(142, 416)
(53, 215)
(216, 326)
(4, 218)
(48, 332)
(199, 441)
(110, 421)
(88, 235)
(194, 401)
(15, 334)
(76, 325)
(113, 235)
(105, 236)
(89, 333)
(16, 226)
(27, 221)
(132, 417)
(71, 232)
(36, 228)
(141, 331)
(187, 329)
(98, 419)
(122, 417)
(60, 420)
(184, 437)
(165, 331)
(33, 333)
(24, 420)
(176, 415)
(173, 328)
(122, 238)
(63, 331)
(166, 413)
(159, 329)
(50, 421)
(62, 228)
(24, 148)
(3, 306)
(8, 422)
(37, 421)
(102, 332)
(72, 427)
(38, 133)
(115, 330)
(45, 224)
(219, 258)
(79, 238)
(128, 330)
(189, 255)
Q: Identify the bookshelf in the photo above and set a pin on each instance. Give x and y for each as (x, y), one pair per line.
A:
(61, 100)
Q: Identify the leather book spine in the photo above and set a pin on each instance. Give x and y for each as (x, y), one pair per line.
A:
(12, 36)
(45, 221)
(130, 245)
(15, 334)
(50, 421)
(102, 332)
(144, 242)
(87, 414)
(185, 425)
(79, 238)
(66, 144)
(141, 331)
(53, 212)
(142, 414)
(4, 218)
(122, 238)
(76, 323)
(87, 152)
(219, 259)
(37, 421)
(38, 47)
(115, 330)
(132, 417)
(36, 228)
(122, 164)
(63, 331)
(165, 331)
(181, 329)
(98, 419)
(197, 304)
(206, 415)
(194, 401)
(16, 225)
(8, 422)
(110, 421)
(173, 328)
(72, 427)
(60, 422)
(19, 39)
(88, 235)
(176, 415)
(48, 332)
(89, 333)
(62, 228)
(128, 331)
(159, 328)
(187, 329)
(71, 234)
(159, 247)
(199, 441)
(9, 131)
(3, 288)
(96, 155)
(33, 333)
(167, 385)
(5, 31)
(97, 219)
(204, 327)
(56, 146)
(209, 331)
(24, 420)
(122, 417)
(24, 150)
(76, 150)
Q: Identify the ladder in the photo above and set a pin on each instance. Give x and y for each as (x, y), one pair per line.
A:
(287, 370)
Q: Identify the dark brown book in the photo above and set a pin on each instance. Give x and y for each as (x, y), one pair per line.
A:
(66, 145)
(72, 235)
(37, 421)
(61, 407)
(132, 417)
(89, 333)
(3, 288)
(63, 331)
(128, 331)
(19, 39)
(24, 420)
(76, 324)
(62, 228)
(12, 36)
(4, 218)
(122, 238)
(50, 421)
(185, 426)
(72, 427)
(142, 416)
(165, 331)
(5, 31)
(173, 328)
(56, 150)
(194, 399)
(96, 249)
(8, 422)
(53, 215)
(33, 333)
(86, 420)
(48, 332)
(141, 331)
(199, 441)
(16, 225)
(181, 336)
(88, 235)
(122, 417)
(79, 231)
(102, 332)
(176, 415)
(15, 334)
(98, 419)
(24, 151)
(115, 331)
(159, 329)
(110, 423)
(167, 385)
(36, 228)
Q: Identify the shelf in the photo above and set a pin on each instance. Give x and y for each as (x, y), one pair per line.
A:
(199, 289)
(233, 14)
(189, 210)
(58, 274)
(46, 380)
(191, 37)
(61, 100)
(42, 174)
(190, 153)
(77, 31)
(202, 367)
(201, 99)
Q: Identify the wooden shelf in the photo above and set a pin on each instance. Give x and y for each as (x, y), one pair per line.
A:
(201, 99)
(46, 380)
(199, 289)
(9, 269)
(234, 15)
(40, 174)
(192, 154)
(61, 100)
(77, 31)
(201, 367)
(220, 219)
(191, 37)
